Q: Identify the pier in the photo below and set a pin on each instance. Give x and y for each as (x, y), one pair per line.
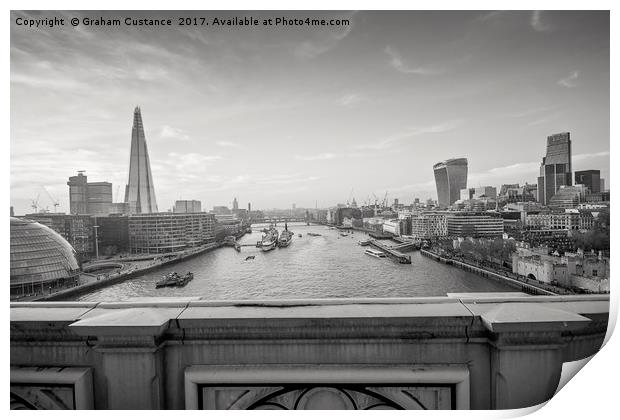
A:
(391, 252)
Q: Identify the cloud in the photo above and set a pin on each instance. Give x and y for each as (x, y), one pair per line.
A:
(517, 172)
(538, 24)
(350, 99)
(224, 143)
(322, 156)
(55, 83)
(569, 81)
(397, 62)
(189, 162)
(490, 15)
(216, 183)
(412, 132)
(585, 156)
(168, 132)
(323, 41)
(543, 120)
(530, 111)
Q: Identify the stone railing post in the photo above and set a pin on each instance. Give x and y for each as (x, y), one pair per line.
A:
(129, 341)
(526, 352)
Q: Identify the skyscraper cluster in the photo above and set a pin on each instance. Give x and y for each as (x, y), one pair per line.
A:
(555, 175)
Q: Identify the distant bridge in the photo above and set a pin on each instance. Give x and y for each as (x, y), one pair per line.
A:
(281, 220)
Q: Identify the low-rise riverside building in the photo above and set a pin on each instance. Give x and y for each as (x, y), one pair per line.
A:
(429, 225)
(587, 272)
(477, 225)
(155, 233)
(393, 226)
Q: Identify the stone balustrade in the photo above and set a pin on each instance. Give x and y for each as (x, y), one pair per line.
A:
(464, 351)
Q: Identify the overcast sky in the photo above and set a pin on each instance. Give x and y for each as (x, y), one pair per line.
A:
(276, 115)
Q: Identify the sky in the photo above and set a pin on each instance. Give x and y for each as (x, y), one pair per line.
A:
(308, 115)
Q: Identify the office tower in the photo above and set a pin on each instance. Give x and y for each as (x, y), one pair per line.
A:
(78, 193)
(249, 207)
(556, 168)
(187, 206)
(85, 197)
(99, 198)
(235, 204)
(140, 191)
(602, 184)
(488, 192)
(467, 193)
(450, 178)
(590, 178)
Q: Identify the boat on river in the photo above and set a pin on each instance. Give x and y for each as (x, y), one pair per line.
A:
(270, 240)
(375, 253)
(174, 280)
(286, 237)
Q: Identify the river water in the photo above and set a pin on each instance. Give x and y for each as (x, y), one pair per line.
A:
(326, 266)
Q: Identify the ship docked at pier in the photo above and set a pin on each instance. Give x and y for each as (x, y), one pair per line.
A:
(286, 237)
(269, 240)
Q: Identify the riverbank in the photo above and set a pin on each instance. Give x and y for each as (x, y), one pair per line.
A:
(525, 287)
(148, 264)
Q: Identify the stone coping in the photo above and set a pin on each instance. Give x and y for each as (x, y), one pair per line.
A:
(149, 317)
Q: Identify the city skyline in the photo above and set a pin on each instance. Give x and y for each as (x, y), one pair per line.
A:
(290, 115)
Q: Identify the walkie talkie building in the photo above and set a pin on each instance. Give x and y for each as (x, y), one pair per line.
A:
(450, 178)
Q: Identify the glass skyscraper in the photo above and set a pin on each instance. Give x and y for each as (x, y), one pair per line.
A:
(140, 191)
(450, 178)
(556, 167)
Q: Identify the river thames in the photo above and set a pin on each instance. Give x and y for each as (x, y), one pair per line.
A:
(326, 266)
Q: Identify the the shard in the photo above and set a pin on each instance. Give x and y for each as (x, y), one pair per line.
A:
(140, 191)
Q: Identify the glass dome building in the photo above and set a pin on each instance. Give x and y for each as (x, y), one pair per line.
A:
(41, 259)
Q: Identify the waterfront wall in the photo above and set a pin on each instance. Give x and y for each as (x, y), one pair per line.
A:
(524, 287)
(123, 276)
(478, 351)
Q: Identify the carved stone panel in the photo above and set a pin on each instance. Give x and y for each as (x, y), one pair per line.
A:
(51, 388)
(327, 397)
(327, 387)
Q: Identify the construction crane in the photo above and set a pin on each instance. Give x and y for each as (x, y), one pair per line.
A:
(385, 200)
(55, 202)
(376, 200)
(35, 203)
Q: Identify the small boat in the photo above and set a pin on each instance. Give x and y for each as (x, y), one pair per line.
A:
(300, 235)
(185, 279)
(314, 234)
(249, 257)
(344, 234)
(364, 243)
(374, 253)
(174, 280)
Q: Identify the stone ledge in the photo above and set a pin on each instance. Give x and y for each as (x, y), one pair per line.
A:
(389, 317)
